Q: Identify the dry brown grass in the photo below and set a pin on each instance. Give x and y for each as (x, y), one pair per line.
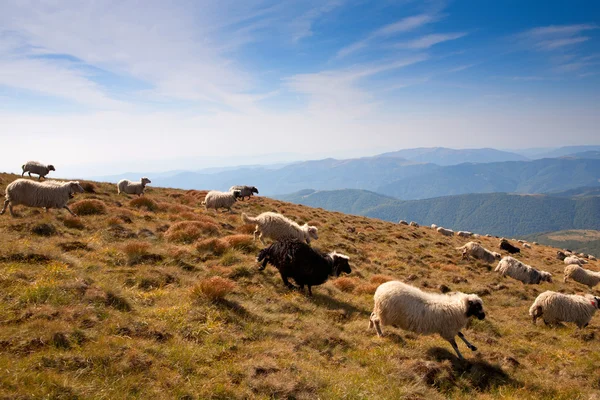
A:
(78, 321)
(89, 207)
(190, 231)
(215, 288)
(145, 203)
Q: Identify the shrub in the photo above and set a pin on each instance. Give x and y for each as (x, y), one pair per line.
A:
(73, 222)
(189, 231)
(244, 243)
(89, 207)
(214, 289)
(44, 230)
(230, 258)
(135, 251)
(379, 279)
(144, 202)
(366, 288)
(89, 187)
(214, 246)
(345, 284)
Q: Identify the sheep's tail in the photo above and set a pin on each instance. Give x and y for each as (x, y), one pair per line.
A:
(247, 219)
(23, 167)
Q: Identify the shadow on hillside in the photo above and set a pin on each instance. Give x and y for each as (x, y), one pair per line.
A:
(238, 310)
(335, 304)
(479, 373)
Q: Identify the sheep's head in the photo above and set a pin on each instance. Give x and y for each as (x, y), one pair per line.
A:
(497, 256)
(146, 181)
(237, 194)
(545, 276)
(75, 187)
(51, 167)
(254, 189)
(474, 306)
(341, 263)
(312, 231)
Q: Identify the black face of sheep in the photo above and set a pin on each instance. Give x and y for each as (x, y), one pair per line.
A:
(237, 194)
(51, 168)
(475, 309)
(254, 190)
(263, 258)
(341, 264)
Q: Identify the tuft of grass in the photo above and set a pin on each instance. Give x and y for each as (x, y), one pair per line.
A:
(144, 202)
(379, 279)
(135, 251)
(345, 284)
(214, 246)
(213, 289)
(244, 243)
(230, 258)
(189, 231)
(88, 187)
(117, 302)
(44, 230)
(73, 223)
(89, 207)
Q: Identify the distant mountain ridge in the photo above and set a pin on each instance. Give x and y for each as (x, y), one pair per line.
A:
(445, 156)
(500, 214)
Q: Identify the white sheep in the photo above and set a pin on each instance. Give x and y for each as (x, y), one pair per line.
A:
(434, 226)
(445, 232)
(521, 272)
(128, 187)
(478, 251)
(591, 257)
(464, 234)
(556, 307)
(402, 222)
(527, 245)
(585, 276)
(40, 194)
(574, 260)
(411, 309)
(215, 199)
(276, 226)
(41, 170)
(413, 223)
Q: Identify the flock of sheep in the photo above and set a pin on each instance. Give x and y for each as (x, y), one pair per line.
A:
(395, 303)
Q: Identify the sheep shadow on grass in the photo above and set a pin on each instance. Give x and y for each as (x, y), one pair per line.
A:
(479, 373)
(332, 303)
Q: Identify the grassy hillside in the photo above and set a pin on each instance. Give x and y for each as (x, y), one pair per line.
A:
(581, 241)
(500, 214)
(156, 297)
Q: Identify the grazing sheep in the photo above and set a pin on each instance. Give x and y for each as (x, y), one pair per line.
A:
(413, 223)
(411, 309)
(40, 194)
(276, 226)
(245, 191)
(464, 234)
(521, 241)
(215, 199)
(305, 265)
(535, 243)
(478, 251)
(128, 187)
(582, 255)
(497, 255)
(522, 272)
(476, 235)
(560, 255)
(591, 257)
(402, 222)
(505, 245)
(445, 232)
(488, 235)
(527, 245)
(574, 260)
(434, 226)
(34, 167)
(556, 307)
(585, 276)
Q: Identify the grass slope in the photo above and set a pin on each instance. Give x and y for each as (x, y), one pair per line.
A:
(156, 297)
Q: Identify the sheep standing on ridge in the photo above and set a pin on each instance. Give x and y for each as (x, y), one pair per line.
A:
(478, 251)
(245, 191)
(215, 199)
(434, 226)
(39, 194)
(402, 222)
(305, 265)
(522, 272)
(414, 224)
(411, 309)
(37, 168)
(128, 187)
(574, 260)
(276, 226)
(445, 232)
(464, 234)
(556, 307)
(584, 276)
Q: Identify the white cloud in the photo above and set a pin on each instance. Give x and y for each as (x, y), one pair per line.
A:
(561, 30)
(425, 42)
(557, 43)
(403, 25)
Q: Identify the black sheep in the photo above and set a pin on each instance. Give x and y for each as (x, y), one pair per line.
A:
(304, 264)
(505, 245)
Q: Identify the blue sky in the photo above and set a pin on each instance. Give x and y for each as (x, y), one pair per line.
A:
(154, 85)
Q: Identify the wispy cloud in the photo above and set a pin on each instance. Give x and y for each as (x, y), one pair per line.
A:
(562, 30)
(425, 42)
(558, 43)
(404, 25)
(302, 26)
(556, 36)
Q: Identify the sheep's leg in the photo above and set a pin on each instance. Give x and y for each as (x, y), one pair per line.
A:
(261, 238)
(455, 347)
(69, 210)
(373, 320)
(264, 265)
(6, 202)
(565, 279)
(536, 314)
(469, 345)
(287, 283)
(29, 174)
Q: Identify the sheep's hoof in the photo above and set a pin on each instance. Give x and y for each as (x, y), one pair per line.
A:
(473, 348)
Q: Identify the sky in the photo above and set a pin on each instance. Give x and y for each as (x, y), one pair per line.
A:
(103, 87)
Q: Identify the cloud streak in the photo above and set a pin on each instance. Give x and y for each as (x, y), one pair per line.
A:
(427, 41)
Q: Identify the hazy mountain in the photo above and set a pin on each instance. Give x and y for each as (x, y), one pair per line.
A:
(580, 241)
(495, 213)
(565, 151)
(445, 156)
